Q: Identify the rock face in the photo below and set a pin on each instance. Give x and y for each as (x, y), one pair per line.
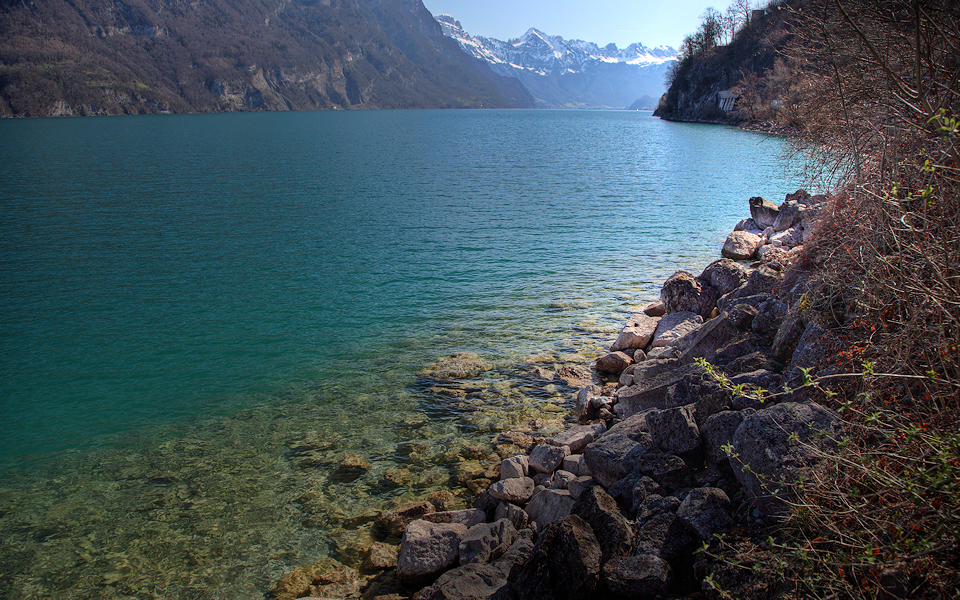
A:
(564, 564)
(774, 446)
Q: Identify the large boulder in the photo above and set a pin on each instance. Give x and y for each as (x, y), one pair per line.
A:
(564, 564)
(668, 470)
(682, 292)
(741, 245)
(655, 392)
(577, 438)
(613, 530)
(514, 467)
(763, 280)
(611, 457)
(548, 506)
(775, 447)
(706, 511)
(763, 212)
(788, 238)
(545, 458)
(615, 362)
(674, 430)
(666, 536)
(487, 541)
(788, 216)
(636, 333)
(480, 581)
(516, 490)
(718, 431)
(724, 275)
(428, 549)
(673, 327)
(704, 341)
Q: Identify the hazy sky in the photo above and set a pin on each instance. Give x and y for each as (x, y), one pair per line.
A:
(650, 22)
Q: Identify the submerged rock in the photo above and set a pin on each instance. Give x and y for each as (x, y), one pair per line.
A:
(461, 365)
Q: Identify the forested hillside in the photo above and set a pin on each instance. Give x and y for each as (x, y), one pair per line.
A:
(62, 57)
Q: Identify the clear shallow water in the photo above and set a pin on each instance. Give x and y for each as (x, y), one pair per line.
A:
(185, 299)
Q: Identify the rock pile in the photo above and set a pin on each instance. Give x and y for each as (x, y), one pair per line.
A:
(663, 457)
(774, 231)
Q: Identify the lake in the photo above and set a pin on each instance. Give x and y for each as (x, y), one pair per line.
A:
(206, 318)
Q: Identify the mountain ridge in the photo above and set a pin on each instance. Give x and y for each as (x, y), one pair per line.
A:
(91, 57)
(564, 73)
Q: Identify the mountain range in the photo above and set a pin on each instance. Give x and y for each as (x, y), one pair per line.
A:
(81, 57)
(571, 73)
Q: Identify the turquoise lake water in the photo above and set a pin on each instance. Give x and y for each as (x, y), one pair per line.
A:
(186, 301)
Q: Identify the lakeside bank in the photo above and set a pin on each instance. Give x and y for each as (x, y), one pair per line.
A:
(669, 450)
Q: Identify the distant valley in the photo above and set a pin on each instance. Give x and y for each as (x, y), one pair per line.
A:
(572, 73)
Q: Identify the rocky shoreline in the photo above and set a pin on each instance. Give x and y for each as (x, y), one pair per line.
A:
(696, 422)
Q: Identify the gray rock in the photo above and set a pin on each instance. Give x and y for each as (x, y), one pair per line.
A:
(542, 480)
(513, 513)
(788, 215)
(706, 511)
(790, 238)
(755, 361)
(717, 433)
(468, 517)
(682, 292)
(788, 335)
(741, 315)
(774, 447)
(748, 225)
(579, 485)
(614, 363)
(763, 212)
(571, 464)
(516, 490)
(626, 377)
(643, 577)
(564, 564)
(724, 275)
(704, 341)
(428, 549)
(673, 327)
(636, 333)
(582, 409)
(666, 536)
(769, 316)
(667, 470)
(545, 458)
(575, 439)
(651, 368)
(487, 541)
(654, 392)
(611, 457)
(613, 531)
(561, 479)
(655, 504)
(480, 581)
(655, 309)
(763, 280)
(515, 466)
(812, 352)
(674, 430)
(741, 245)
(548, 506)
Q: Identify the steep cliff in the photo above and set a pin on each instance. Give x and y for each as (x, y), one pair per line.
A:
(700, 78)
(64, 57)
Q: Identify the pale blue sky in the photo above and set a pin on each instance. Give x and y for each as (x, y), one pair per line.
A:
(650, 22)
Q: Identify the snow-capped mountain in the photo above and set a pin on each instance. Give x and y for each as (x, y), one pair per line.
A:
(575, 73)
